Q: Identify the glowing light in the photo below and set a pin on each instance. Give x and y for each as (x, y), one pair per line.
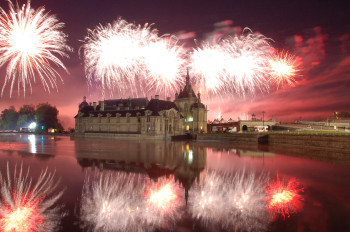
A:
(163, 196)
(132, 57)
(32, 125)
(28, 208)
(32, 143)
(284, 200)
(29, 41)
(21, 219)
(284, 68)
(233, 65)
(123, 202)
(233, 202)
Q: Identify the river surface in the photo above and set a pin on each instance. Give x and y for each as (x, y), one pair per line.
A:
(214, 186)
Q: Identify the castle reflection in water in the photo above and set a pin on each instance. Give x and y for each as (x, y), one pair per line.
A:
(156, 159)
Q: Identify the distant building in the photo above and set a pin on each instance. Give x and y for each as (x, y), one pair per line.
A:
(241, 125)
(141, 116)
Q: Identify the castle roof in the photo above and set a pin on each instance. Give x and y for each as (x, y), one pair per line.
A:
(156, 105)
(187, 91)
(197, 105)
(132, 103)
(83, 104)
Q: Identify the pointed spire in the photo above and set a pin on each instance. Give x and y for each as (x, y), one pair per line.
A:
(187, 78)
(84, 98)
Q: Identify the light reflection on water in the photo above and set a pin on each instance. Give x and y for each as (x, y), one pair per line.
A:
(75, 160)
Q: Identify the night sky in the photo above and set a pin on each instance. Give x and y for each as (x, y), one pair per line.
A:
(316, 31)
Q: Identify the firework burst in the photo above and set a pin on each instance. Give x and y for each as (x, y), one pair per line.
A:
(112, 202)
(124, 202)
(29, 41)
(26, 207)
(233, 65)
(233, 202)
(284, 199)
(284, 68)
(126, 57)
(162, 201)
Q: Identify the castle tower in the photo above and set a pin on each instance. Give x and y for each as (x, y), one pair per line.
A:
(191, 108)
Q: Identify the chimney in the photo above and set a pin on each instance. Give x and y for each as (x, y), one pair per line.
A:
(168, 99)
(102, 106)
(156, 97)
(94, 105)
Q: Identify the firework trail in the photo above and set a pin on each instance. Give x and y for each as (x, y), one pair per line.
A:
(29, 41)
(235, 203)
(284, 68)
(284, 199)
(26, 206)
(232, 65)
(128, 202)
(126, 57)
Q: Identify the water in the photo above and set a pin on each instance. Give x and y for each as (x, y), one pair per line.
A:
(326, 204)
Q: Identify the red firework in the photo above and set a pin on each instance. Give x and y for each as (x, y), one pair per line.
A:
(284, 68)
(163, 196)
(284, 199)
(21, 218)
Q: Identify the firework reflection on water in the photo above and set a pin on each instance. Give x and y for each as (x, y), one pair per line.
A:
(28, 206)
(235, 203)
(284, 199)
(117, 201)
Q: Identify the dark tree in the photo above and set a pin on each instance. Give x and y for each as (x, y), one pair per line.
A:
(46, 115)
(344, 115)
(26, 115)
(9, 118)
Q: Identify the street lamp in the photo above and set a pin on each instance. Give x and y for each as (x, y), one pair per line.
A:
(32, 125)
(263, 117)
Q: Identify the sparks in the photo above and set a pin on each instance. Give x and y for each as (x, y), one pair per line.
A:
(29, 41)
(123, 202)
(233, 65)
(232, 202)
(21, 219)
(163, 196)
(284, 200)
(126, 57)
(25, 207)
(284, 69)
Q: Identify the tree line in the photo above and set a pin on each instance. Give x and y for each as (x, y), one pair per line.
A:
(44, 114)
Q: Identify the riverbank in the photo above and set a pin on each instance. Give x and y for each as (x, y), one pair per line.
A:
(327, 141)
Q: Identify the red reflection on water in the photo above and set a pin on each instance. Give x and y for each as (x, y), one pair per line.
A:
(163, 196)
(22, 218)
(284, 199)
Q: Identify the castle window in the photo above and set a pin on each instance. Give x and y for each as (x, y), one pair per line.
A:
(128, 117)
(186, 109)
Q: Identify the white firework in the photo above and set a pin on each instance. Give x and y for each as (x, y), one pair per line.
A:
(30, 41)
(234, 65)
(128, 202)
(124, 57)
(235, 203)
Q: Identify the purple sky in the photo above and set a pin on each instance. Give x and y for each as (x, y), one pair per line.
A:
(316, 31)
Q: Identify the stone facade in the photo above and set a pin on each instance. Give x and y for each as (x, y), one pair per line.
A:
(130, 116)
(141, 116)
(248, 125)
(191, 108)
